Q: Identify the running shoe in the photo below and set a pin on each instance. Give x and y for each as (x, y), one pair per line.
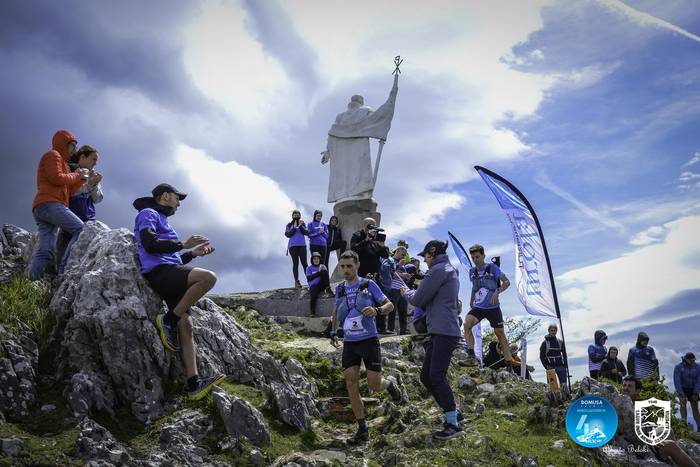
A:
(448, 431)
(204, 385)
(394, 390)
(167, 334)
(361, 437)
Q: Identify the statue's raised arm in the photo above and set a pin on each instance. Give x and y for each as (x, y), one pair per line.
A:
(348, 147)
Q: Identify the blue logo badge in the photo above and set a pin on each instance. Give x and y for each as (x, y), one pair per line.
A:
(591, 421)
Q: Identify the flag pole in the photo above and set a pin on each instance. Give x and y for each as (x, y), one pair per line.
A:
(544, 248)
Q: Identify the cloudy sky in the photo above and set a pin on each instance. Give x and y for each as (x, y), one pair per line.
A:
(592, 108)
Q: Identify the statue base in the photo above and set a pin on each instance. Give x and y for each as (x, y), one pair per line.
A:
(350, 216)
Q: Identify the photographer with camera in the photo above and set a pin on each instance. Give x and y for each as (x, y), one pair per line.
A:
(365, 243)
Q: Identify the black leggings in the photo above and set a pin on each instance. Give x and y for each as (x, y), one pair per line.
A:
(438, 353)
(341, 245)
(316, 289)
(298, 253)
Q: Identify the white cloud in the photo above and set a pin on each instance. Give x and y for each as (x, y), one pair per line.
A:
(238, 198)
(625, 287)
(654, 234)
(542, 179)
(645, 19)
(687, 177)
(693, 160)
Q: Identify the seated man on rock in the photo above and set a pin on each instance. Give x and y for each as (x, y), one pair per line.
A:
(175, 282)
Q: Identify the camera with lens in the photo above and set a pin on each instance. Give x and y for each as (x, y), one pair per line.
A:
(375, 228)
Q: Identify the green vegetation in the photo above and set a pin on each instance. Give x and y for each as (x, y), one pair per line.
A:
(25, 306)
(41, 450)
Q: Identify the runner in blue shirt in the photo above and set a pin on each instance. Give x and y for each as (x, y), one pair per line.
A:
(356, 301)
(488, 282)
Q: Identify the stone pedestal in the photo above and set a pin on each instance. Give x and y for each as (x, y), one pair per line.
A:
(350, 215)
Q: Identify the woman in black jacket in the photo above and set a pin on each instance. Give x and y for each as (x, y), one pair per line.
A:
(612, 368)
(335, 239)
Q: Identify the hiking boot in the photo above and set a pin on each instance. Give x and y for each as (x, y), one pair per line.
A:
(204, 385)
(297, 285)
(361, 437)
(394, 390)
(168, 335)
(448, 431)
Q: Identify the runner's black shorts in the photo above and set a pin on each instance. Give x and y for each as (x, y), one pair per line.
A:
(689, 393)
(493, 315)
(169, 281)
(367, 351)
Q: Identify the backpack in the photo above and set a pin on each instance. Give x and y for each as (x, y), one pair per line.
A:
(478, 282)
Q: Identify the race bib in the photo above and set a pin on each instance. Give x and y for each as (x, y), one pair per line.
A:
(481, 295)
(353, 326)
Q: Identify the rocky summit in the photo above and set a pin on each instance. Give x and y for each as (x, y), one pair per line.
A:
(84, 380)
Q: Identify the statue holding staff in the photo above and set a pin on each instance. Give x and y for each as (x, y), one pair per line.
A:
(348, 148)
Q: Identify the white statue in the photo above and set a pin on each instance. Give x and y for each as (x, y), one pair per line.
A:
(348, 147)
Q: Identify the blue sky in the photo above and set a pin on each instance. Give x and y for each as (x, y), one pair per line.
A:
(590, 107)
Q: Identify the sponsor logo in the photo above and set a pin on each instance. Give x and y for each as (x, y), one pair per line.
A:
(652, 420)
(591, 421)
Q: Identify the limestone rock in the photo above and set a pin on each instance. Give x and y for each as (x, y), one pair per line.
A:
(319, 458)
(97, 443)
(11, 446)
(105, 312)
(278, 302)
(623, 405)
(241, 418)
(466, 383)
(486, 387)
(19, 359)
(17, 242)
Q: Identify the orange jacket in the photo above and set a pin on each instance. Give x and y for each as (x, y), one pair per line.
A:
(54, 181)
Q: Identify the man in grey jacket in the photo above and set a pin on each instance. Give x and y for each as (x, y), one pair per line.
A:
(437, 295)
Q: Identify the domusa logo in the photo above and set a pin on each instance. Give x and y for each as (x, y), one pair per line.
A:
(652, 420)
(591, 421)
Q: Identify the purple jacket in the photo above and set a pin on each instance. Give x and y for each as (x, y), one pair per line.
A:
(296, 235)
(316, 238)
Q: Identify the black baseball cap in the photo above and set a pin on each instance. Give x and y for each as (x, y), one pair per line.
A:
(689, 356)
(167, 188)
(438, 247)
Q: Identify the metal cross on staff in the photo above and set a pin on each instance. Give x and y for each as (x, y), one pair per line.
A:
(397, 61)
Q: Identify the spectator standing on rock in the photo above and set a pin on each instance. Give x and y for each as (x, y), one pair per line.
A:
(318, 235)
(391, 285)
(597, 353)
(488, 282)
(368, 249)
(82, 204)
(335, 239)
(612, 368)
(553, 354)
(317, 278)
(641, 359)
(296, 246)
(686, 380)
(55, 185)
(172, 279)
(437, 295)
(356, 300)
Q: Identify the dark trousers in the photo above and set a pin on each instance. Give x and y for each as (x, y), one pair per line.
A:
(298, 253)
(561, 374)
(400, 308)
(595, 374)
(321, 249)
(438, 353)
(316, 289)
(341, 245)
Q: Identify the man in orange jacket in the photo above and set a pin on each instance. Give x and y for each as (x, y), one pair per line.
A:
(55, 185)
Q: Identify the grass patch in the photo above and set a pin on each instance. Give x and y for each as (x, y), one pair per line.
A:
(41, 450)
(25, 306)
(261, 328)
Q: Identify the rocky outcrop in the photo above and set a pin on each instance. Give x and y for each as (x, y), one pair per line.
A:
(16, 246)
(19, 359)
(279, 302)
(241, 418)
(110, 350)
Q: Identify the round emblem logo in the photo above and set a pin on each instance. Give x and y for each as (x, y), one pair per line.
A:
(591, 421)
